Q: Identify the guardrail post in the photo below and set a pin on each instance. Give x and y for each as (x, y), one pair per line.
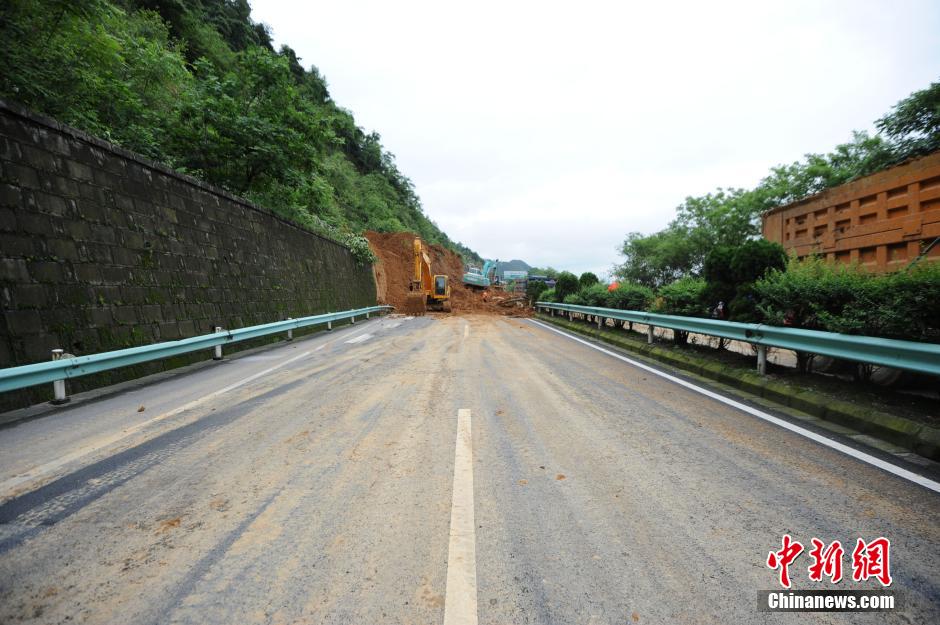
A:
(553, 312)
(762, 359)
(353, 320)
(290, 331)
(58, 386)
(367, 315)
(649, 334)
(599, 323)
(218, 348)
(329, 326)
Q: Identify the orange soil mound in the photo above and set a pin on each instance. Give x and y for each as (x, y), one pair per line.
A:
(395, 265)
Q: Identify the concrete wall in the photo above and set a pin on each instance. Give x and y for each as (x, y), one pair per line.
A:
(882, 221)
(102, 249)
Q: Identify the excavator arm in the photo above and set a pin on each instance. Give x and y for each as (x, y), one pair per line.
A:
(422, 279)
(426, 289)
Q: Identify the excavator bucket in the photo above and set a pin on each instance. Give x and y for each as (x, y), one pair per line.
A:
(416, 303)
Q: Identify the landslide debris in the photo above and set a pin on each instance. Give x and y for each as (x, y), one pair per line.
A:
(395, 265)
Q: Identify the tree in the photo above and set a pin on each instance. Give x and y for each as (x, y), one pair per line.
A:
(753, 259)
(565, 284)
(247, 128)
(113, 74)
(729, 273)
(534, 290)
(548, 272)
(914, 123)
(587, 279)
(721, 285)
(656, 259)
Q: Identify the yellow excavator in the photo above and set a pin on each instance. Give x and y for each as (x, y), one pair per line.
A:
(426, 290)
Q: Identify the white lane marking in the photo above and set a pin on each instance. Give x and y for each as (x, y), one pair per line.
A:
(58, 463)
(460, 603)
(344, 336)
(361, 338)
(407, 318)
(828, 442)
(466, 330)
(393, 325)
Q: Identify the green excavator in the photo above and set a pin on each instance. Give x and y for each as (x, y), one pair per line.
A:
(486, 278)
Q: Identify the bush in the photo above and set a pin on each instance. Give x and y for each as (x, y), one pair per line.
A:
(594, 295)
(911, 309)
(813, 293)
(575, 299)
(682, 297)
(565, 284)
(534, 290)
(629, 296)
(587, 279)
(548, 295)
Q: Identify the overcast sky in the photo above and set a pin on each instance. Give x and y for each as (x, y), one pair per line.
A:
(547, 131)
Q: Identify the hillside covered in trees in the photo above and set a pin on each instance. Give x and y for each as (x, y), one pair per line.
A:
(198, 85)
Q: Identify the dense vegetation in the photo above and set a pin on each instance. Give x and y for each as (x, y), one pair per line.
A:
(808, 293)
(197, 85)
(727, 217)
(843, 298)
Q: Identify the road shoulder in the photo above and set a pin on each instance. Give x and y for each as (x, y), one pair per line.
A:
(912, 445)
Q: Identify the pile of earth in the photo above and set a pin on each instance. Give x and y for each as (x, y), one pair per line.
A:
(394, 268)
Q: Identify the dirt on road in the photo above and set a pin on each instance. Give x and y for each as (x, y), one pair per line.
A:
(395, 266)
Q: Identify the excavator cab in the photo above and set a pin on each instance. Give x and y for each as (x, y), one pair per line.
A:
(440, 285)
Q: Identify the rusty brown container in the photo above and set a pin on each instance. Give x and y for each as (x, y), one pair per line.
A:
(882, 221)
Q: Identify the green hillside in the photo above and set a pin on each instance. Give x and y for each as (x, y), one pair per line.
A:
(198, 85)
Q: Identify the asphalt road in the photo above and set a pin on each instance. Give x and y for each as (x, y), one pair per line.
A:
(433, 470)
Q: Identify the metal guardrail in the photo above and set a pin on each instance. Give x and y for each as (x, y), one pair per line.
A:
(909, 355)
(24, 376)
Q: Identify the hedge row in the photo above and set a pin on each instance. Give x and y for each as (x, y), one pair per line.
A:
(808, 293)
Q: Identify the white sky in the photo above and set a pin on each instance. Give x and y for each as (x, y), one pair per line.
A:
(546, 130)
